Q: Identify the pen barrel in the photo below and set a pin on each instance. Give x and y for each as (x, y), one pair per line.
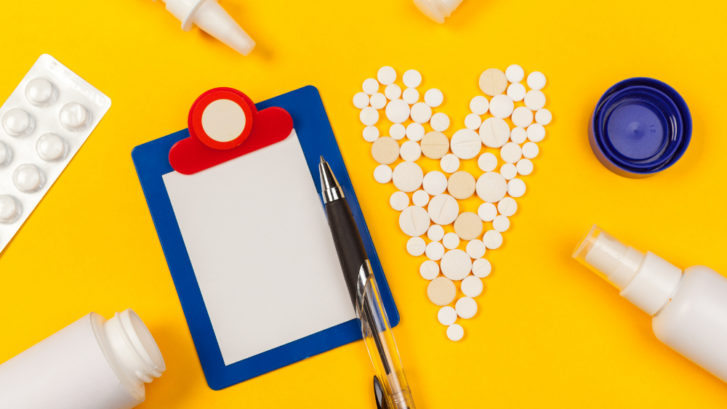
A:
(350, 248)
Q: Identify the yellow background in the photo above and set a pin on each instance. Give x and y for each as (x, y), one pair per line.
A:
(548, 333)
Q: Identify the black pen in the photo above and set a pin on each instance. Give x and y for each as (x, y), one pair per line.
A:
(364, 294)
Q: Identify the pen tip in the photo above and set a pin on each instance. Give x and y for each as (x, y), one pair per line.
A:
(322, 160)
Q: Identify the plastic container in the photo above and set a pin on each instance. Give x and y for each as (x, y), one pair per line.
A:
(640, 127)
(211, 18)
(90, 364)
(437, 10)
(689, 308)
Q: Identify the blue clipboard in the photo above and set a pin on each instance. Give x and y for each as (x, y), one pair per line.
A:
(316, 138)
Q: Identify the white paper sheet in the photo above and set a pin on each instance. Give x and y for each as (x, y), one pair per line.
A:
(261, 249)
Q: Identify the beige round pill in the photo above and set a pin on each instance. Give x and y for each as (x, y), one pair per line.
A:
(456, 264)
(414, 221)
(385, 150)
(435, 145)
(461, 185)
(441, 291)
(493, 82)
(468, 226)
(408, 176)
(443, 209)
(491, 187)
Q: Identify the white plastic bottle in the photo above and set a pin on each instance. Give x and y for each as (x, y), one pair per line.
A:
(689, 308)
(437, 10)
(90, 364)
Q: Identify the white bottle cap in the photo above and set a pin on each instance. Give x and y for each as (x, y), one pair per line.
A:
(214, 20)
(437, 10)
(647, 280)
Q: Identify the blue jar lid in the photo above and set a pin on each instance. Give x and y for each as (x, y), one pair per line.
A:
(640, 126)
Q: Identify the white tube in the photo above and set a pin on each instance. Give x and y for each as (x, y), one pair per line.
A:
(90, 364)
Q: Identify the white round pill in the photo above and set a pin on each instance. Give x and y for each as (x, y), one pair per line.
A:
(439, 122)
(50, 147)
(397, 132)
(433, 97)
(414, 221)
(435, 232)
(455, 332)
(536, 132)
(518, 135)
(411, 151)
(507, 206)
(415, 132)
(447, 316)
(481, 268)
(361, 100)
(412, 78)
(378, 100)
(491, 187)
(449, 163)
(472, 121)
(386, 75)
(524, 167)
(370, 86)
(443, 209)
(435, 250)
(450, 240)
(9, 209)
(494, 132)
(516, 92)
(536, 80)
(392, 91)
(508, 171)
(370, 133)
(420, 198)
(501, 223)
(17, 122)
(522, 117)
(382, 174)
(515, 73)
(543, 116)
(472, 286)
(487, 212)
(421, 113)
(435, 183)
(456, 264)
(369, 116)
(466, 307)
(408, 176)
(416, 246)
(399, 201)
(479, 105)
(41, 92)
(5, 154)
(397, 111)
(516, 188)
(429, 270)
(511, 152)
(487, 162)
(28, 178)
(530, 150)
(466, 144)
(476, 249)
(492, 239)
(410, 96)
(501, 106)
(535, 99)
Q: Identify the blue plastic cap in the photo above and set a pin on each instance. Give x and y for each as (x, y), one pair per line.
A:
(640, 126)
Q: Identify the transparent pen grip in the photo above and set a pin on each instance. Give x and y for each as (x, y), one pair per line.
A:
(381, 345)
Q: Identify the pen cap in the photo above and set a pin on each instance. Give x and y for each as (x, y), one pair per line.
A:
(640, 127)
(437, 10)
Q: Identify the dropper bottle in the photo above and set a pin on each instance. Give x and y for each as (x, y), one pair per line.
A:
(689, 308)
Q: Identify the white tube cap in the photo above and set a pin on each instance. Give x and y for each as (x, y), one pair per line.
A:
(437, 10)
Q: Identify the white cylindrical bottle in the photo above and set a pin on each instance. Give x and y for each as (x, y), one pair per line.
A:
(91, 364)
(437, 10)
(689, 308)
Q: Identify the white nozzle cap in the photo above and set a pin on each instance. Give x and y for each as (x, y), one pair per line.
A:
(437, 10)
(212, 19)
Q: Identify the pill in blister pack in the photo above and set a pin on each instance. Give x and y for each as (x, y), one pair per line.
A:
(45, 121)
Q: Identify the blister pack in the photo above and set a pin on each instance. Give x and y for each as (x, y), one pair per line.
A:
(45, 121)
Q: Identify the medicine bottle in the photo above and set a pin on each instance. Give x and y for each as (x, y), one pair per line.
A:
(91, 364)
(689, 308)
(437, 10)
